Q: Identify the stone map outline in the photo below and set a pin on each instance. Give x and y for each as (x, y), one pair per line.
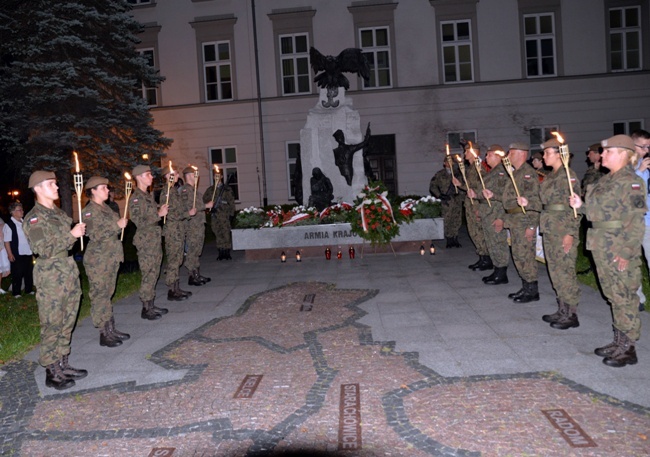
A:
(18, 404)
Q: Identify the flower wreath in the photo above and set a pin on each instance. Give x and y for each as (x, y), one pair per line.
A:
(373, 218)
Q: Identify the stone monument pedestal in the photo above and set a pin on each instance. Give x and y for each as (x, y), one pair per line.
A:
(317, 146)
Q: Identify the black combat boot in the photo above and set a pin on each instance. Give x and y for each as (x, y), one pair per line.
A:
(203, 279)
(456, 242)
(115, 332)
(148, 312)
(227, 254)
(500, 276)
(530, 293)
(194, 279)
(624, 354)
(607, 350)
(55, 378)
(519, 293)
(485, 264)
(161, 311)
(475, 265)
(177, 286)
(70, 372)
(450, 242)
(568, 318)
(550, 318)
(174, 294)
(106, 338)
(221, 253)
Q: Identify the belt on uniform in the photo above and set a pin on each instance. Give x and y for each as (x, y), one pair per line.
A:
(58, 255)
(558, 207)
(606, 224)
(515, 210)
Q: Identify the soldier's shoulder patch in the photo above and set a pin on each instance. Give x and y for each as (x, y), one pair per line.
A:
(135, 200)
(638, 201)
(526, 176)
(501, 173)
(636, 186)
(87, 215)
(184, 190)
(33, 220)
(573, 179)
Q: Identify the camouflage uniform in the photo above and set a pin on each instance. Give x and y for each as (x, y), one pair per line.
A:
(220, 220)
(56, 277)
(174, 231)
(496, 242)
(194, 228)
(442, 188)
(474, 226)
(556, 221)
(102, 259)
(144, 214)
(615, 206)
(591, 177)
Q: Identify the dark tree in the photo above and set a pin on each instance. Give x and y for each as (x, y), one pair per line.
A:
(70, 80)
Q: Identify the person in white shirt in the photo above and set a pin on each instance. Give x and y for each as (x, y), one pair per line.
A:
(18, 251)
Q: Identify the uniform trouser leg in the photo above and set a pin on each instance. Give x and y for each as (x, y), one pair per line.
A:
(174, 247)
(620, 289)
(562, 268)
(497, 244)
(57, 293)
(452, 215)
(523, 253)
(195, 239)
(102, 281)
(149, 259)
(475, 228)
(221, 227)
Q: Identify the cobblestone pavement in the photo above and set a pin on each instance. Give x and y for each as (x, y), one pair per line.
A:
(296, 371)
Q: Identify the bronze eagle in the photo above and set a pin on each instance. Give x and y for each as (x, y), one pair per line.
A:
(350, 60)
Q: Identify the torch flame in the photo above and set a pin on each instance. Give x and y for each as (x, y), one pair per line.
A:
(500, 153)
(558, 136)
(76, 162)
(447, 147)
(216, 168)
(195, 169)
(127, 176)
(171, 170)
(471, 149)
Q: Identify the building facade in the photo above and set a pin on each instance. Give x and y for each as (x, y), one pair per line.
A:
(239, 85)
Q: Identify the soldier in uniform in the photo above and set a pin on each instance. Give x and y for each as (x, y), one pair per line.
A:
(595, 171)
(102, 259)
(146, 214)
(472, 217)
(222, 211)
(615, 206)
(56, 277)
(174, 230)
(641, 140)
(443, 189)
(195, 229)
(537, 162)
(523, 226)
(492, 217)
(560, 233)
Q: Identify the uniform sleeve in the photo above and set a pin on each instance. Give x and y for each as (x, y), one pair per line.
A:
(48, 238)
(633, 209)
(100, 225)
(207, 196)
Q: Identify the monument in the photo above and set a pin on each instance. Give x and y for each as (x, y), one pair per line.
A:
(339, 158)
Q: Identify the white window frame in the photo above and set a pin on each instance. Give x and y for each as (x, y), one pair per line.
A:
(627, 126)
(372, 52)
(456, 44)
(453, 139)
(291, 161)
(544, 135)
(295, 59)
(217, 65)
(147, 91)
(624, 32)
(538, 38)
(228, 168)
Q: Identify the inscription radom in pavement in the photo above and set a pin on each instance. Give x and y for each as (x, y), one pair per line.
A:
(571, 431)
(350, 418)
(248, 386)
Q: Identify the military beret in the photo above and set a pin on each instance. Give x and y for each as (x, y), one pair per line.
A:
(519, 145)
(39, 176)
(495, 147)
(537, 155)
(552, 143)
(618, 141)
(188, 170)
(95, 181)
(140, 169)
(595, 147)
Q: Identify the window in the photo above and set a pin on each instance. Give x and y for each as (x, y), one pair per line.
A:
(139, 2)
(294, 54)
(538, 135)
(226, 159)
(293, 153)
(627, 127)
(539, 43)
(150, 94)
(453, 139)
(457, 51)
(375, 44)
(217, 71)
(625, 38)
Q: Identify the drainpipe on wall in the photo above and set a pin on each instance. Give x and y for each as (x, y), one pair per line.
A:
(263, 196)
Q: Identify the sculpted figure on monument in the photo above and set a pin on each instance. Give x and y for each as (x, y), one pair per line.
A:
(322, 191)
(344, 153)
(297, 180)
(350, 60)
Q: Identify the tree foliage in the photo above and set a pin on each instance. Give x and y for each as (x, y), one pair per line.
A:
(70, 80)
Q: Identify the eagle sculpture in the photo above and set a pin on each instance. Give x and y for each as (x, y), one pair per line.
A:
(349, 60)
